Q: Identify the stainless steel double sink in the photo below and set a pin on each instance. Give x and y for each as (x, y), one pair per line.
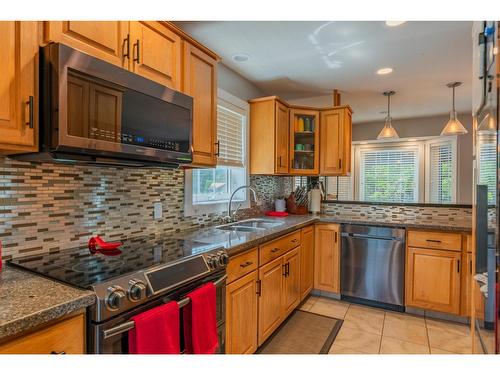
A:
(250, 225)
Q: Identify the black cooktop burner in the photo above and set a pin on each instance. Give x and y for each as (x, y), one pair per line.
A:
(79, 267)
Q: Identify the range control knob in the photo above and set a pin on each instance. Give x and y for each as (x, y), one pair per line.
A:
(223, 259)
(115, 298)
(213, 262)
(136, 291)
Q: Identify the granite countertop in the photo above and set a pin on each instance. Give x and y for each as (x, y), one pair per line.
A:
(28, 300)
(237, 242)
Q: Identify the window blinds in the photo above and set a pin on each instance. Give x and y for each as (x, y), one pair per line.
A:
(488, 168)
(230, 134)
(389, 175)
(441, 173)
(340, 187)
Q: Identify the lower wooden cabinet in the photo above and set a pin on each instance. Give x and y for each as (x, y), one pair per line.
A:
(270, 298)
(327, 257)
(433, 279)
(64, 337)
(241, 315)
(306, 261)
(291, 282)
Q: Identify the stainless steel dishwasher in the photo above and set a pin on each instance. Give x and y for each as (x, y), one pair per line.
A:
(373, 265)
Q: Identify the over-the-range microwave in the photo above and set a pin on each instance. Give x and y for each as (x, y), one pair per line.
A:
(95, 112)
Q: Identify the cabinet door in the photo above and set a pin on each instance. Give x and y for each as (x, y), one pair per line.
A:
(270, 300)
(304, 142)
(466, 291)
(18, 58)
(335, 146)
(291, 282)
(106, 40)
(306, 261)
(200, 82)
(433, 279)
(156, 53)
(327, 258)
(282, 139)
(241, 315)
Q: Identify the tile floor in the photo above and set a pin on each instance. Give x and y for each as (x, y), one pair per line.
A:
(368, 330)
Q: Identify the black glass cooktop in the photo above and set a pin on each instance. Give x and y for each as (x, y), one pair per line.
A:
(80, 267)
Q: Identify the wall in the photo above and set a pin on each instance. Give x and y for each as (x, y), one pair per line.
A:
(232, 82)
(430, 126)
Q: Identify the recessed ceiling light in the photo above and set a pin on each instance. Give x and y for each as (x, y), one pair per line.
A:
(383, 71)
(241, 57)
(394, 23)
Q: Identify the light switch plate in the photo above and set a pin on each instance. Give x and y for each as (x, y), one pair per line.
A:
(157, 210)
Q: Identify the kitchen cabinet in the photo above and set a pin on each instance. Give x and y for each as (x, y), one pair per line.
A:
(200, 82)
(269, 136)
(433, 279)
(315, 141)
(106, 40)
(306, 261)
(271, 277)
(18, 87)
(327, 257)
(466, 280)
(64, 337)
(241, 315)
(335, 141)
(304, 141)
(156, 53)
(291, 282)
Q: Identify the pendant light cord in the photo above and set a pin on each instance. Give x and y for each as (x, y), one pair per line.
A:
(453, 99)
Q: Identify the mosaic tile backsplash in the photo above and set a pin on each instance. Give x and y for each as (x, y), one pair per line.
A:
(45, 207)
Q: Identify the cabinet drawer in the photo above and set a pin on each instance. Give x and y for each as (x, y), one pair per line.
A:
(276, 248)
(435, 240)
(65, 337)
(242, 264)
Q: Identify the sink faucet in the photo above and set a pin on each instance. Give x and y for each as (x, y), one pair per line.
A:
(230, 217)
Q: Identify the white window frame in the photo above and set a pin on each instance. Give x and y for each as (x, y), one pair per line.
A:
(415, 146)
(191, 209)
(454, 163)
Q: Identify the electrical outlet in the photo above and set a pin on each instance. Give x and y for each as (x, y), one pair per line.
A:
(157, 210)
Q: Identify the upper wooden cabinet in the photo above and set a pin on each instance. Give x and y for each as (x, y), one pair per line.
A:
(269, 136)
(18, 87)
(335, 141)
(304, 141)
(156, 53)
(106, 40)
(200, 82)
(295, 140)
(327, 257)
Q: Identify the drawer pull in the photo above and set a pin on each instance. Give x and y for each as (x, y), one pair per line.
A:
(30, 105)
(275, 250)
(59, 353)
(246, 264)
(458, 266)
(295, 240)
(436, 241)
(258, 287)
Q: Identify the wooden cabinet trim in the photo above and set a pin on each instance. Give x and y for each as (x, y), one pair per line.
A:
(276, 248)
(327, 257)
(435, 240)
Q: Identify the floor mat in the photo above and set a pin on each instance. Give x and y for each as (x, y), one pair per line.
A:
(303, 333)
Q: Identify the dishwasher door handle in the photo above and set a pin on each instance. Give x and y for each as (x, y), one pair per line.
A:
(358, 236)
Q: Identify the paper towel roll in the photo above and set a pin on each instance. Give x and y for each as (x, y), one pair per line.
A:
(315, 200)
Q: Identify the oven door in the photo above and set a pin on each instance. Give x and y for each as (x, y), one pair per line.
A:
(111, 337)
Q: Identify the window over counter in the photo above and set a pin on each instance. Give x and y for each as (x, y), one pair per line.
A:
(487, 167)
(407, 171)
(208, 190)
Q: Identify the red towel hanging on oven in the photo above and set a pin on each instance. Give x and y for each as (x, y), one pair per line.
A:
(156, 331)
(200, 321)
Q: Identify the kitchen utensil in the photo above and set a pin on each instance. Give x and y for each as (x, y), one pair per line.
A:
(299, 147)
(307, 124)
(300, 124)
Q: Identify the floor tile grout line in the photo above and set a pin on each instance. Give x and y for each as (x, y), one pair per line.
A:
(427, 333)
(382, 334)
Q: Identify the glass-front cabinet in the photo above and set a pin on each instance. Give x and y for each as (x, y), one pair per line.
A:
(304, 141)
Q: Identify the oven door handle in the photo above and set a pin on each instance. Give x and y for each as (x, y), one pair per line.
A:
(127, 326)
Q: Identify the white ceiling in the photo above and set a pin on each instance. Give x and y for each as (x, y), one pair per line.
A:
(304, 61)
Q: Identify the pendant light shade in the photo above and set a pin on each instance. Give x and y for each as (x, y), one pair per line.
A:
(453, 126)
(388, 132)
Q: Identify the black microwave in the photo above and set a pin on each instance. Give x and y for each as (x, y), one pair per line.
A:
(95, 112)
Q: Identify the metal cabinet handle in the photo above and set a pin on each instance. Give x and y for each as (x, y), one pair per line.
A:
(458, 266)
(218, 148)
(295, 240)
(59, 353)
(287, 269)
(126, 43)
(336, 235)
(275, 250)
(30, 103)
(436, 241)
(246, 264)
(470, 267)
(259, 287)
(283, 269)
(340, 163)
(279, 162)
(136, 55)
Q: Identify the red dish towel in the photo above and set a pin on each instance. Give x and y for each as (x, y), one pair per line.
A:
(276, 213)
(200, 322)
(157, 331)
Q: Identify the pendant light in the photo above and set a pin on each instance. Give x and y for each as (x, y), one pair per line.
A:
(488, 125)
(388, 132)
(453, 126)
